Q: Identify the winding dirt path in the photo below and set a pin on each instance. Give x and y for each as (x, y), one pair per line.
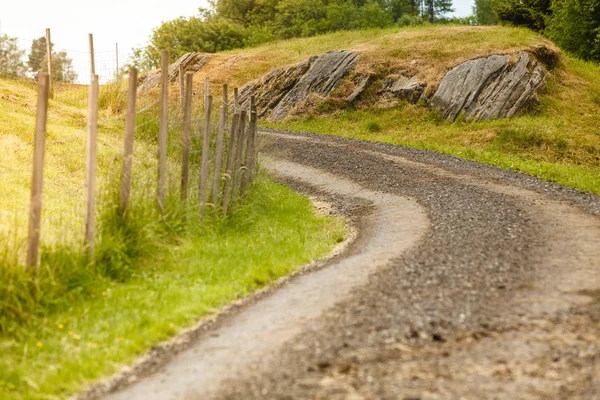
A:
(466, 281)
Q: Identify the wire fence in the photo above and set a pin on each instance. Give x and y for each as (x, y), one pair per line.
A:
(203, 155)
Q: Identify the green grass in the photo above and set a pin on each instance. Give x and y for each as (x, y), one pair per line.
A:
(268, 237)
(154, 273)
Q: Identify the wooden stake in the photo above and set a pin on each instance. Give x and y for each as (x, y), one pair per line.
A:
(236, 100)
(230, 162)
(226, 104)
(205, 156)
(129, 133)
(92, 57)
(239, 153)
(49, 56)
(35, 207)
(163, 128)
(219, 156)
(181, 89)
(90, 226)
(249, 161)
(186, 140)
(206, 91)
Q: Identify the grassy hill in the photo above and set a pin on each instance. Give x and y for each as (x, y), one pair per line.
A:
(559, 141)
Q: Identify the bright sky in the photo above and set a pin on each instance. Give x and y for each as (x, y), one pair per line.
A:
(126, 22)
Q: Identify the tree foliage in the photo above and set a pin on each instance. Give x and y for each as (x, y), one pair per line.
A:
(575, 26)
(11, 57)
(572, 24)
(62, 65)
(484, 13)
(529, 13)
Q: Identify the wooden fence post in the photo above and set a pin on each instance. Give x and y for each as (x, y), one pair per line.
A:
(230, 162)
(249, 161)
(238, 154)
(35, 207)
(206, 91)
(129, 134)
(219, 156)
(186, 139)
(49, 56)
(182, 79)
(226, 104)
(163, 128)
(205, 156)
(236, 100)
(90, 226)
(92, 56)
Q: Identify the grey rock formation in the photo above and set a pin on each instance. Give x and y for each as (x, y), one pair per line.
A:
(273, 87)
(322, 78)
(284, 88)
(489, 88)
(191, 62)
(359, 89)
(404, 88)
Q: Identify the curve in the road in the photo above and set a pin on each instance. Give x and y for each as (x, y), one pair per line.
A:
(499, 299)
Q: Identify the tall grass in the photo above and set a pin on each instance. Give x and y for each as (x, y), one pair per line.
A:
(66, 274)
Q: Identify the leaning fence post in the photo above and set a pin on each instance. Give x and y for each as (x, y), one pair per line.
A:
(230, 161)
(186, 139)
(181, 89)
(236, 100)
(226, 104)
(219, 156)
(163, 128)
(129, 133)
(248, 175)
(35, 207)
(205, 156)
(90, 226)
(238, 153)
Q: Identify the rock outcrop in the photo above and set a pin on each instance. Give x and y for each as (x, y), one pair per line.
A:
(283, 89)
(497, 86)
(190, 62)
(490, 88)
(402, 88)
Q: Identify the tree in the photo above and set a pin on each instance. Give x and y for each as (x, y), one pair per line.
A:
(183, 35)
(436, 9)
(62, 65)
(37, 55)
(529, 13)
(575, 26)
(484, 13)
(11, 57)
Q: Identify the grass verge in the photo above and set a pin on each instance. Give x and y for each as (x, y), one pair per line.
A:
(56, 353)
(154, 274)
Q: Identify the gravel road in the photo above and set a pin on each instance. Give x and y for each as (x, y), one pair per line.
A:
(465, 282)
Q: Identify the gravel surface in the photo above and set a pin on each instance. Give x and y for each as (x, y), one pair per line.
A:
(498, 299)
(502, 299)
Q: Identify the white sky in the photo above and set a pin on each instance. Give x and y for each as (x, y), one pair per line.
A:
(126, 22)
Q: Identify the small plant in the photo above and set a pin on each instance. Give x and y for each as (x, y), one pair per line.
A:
(373, 127)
